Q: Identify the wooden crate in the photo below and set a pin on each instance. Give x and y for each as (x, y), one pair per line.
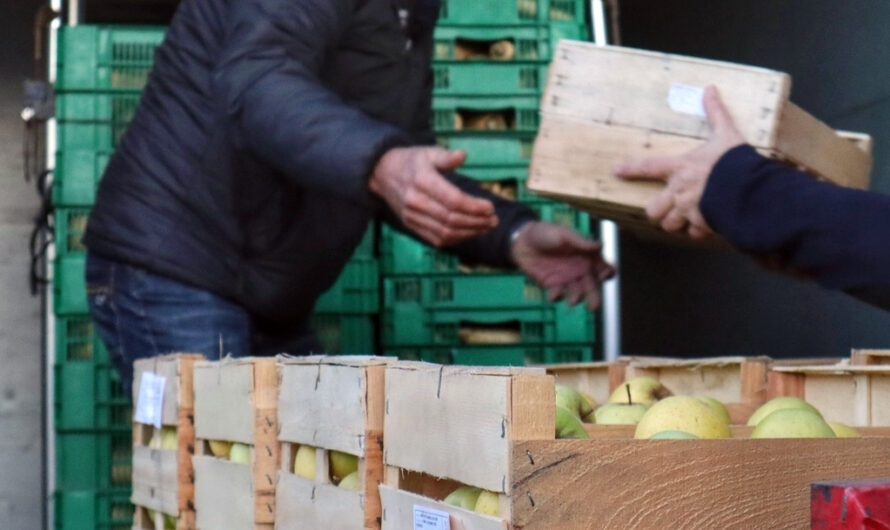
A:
(331, 403)
(853, 394)
(163, 479)
(870, 357)
(494, 428)
(604, 105)
(236, 400)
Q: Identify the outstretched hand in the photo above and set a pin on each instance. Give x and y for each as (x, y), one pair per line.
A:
(567, 264)
(676, 207)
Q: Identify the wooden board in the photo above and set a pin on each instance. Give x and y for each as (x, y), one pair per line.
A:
(870, 357)
(399, 506)
(224, 495)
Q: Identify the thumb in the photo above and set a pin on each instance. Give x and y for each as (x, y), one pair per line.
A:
(650, 168)
(447, 160)
(718, 116)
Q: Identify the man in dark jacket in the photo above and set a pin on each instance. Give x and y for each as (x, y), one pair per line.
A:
(835, 235)
(268, 136)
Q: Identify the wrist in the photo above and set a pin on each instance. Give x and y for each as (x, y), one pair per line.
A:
(515, 234)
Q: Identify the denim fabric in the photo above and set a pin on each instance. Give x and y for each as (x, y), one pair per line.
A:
(139, 314)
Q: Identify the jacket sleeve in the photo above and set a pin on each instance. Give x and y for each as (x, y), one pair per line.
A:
(492, 248)
(268, 79)
(839, 236)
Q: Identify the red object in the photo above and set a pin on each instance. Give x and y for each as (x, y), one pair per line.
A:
(863, 505)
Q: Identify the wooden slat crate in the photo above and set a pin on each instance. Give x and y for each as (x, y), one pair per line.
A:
(604, 105)
(330, 403)
(163, 479)
(870, 357)
(236, 400)
(845, 393)
(494, 429)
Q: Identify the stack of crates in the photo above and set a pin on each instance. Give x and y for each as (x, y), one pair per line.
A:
(489, 72)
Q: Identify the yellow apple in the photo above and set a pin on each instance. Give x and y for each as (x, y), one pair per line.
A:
(464, 497)
(304, 462)
(573, 401)
(682, 413)
(350, 482)
(169, 438)
(785, 402)
(639, 390)
(792, 423)
(342, 464)
(620, 413)
(488, 503)
(673, 435)
(220, 448)
(843, 431)
(718, 407)
(240, 453)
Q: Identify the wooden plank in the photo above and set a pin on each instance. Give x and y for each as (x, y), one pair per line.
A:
(155, 479)
(869, 357)
(223, 494)
(625, 484)
(265, 461)
(306, 504)
(592, 378)
(224, 401)
(809, 143)
(532, 413)
(861, 140)
(398, 512)
(448, 422)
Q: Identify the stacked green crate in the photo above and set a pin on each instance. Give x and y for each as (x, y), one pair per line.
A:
(489, 70)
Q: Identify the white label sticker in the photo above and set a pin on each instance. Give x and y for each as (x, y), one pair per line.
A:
(430, 519)
(150, 402)
(686, 99)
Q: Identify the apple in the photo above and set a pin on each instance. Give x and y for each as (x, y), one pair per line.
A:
(620, 413)
(573, 401)
(842, 430)
(568, 425)
(304, 462)
(220, 448)
(342, 464)
(169, 438)
(639, 390)
(785, 402)
(673, 435)
(240, 453)
(718, 407)
(682, 413)
(793, 423)
(350, 482)
(464, 497)
(488, 503)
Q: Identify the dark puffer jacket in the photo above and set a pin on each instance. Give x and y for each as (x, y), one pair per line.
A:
(244, 171)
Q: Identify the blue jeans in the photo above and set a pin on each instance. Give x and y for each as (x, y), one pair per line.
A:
(139, 314)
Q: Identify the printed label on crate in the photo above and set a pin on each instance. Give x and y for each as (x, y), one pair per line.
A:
(686, 99)
(430, 519)
(150, 402)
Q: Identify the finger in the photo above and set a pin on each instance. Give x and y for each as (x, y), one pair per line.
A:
(579, 242)
(422, 203)
(451, 197)
(659, 206)
(576, 292)
(554, 294)
(718, 116)
(438, 234)
(448, 160)
(697, 232)
(659, 168)
(604, 271)
(591, 293)
(673, 222)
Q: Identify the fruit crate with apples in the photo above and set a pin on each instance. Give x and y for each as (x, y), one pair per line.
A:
(93, 460)
(485, 115)
(843, 392)
(493, 428)
(485, 150)
(88, 395)
(490, 78)
(330, 413)
(76, 177)
(236, 442)
(472, 12)
(70, 226)
(502, 42)
(163, 442)
(107, 509)
(497, 355)
(106, 57)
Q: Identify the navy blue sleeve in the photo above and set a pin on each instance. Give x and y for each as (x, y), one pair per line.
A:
(839, 236)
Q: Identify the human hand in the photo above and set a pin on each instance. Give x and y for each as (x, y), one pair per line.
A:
(676, 207)
(567, 264)
(408, 179)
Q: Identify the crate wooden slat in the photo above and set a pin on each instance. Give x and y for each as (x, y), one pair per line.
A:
(604, 105)
(163, 479)
(236, 400)
(331, 403)
(609, 481)
(870, 357)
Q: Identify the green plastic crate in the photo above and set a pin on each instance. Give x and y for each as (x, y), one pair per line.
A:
(70, 226)
(412, 325)
(345, 334)
(565, 215)
(69, 285)
(88, 396)
(518, 355)
(356, 290)
(76, 177)
(78, 341)
(93, 510)
(530, 42)
(512, 11)
(487, 150)
(491, 78)
(101, 137)
(103, 58)
(95, 460)
(519, 113)
(469, 291)
(118, 107)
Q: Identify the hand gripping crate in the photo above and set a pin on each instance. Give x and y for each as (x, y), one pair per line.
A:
(163, 476)
(604, 105)
(332, 404)
(236, 400)
(494, 429)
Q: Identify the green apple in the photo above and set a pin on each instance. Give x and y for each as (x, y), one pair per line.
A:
(170, 522)
(793, 423)
(304, 462)
(488, 503)
(464, 497)
(718, 407)
(842, 430)
(350, 482)
(220, 448)
(568, 425)
(620, 413)
(573, 401)
(682, 413)
(786, 402)
(240, 453)
(169, 438)
(673, 435)
(342, 464)
(589, 417)
(640, 390)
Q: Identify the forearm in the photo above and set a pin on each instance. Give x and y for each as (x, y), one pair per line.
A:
(837, 235)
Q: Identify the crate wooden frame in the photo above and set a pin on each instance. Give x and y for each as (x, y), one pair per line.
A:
(607, 482)
(248, 417)
(164, 480)
(331, 403)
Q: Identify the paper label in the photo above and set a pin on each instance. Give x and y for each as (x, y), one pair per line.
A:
(430, 519)
(150, 402)
(686, 99)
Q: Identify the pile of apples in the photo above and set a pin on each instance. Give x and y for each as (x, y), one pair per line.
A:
(658, 414)
(343, 467)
